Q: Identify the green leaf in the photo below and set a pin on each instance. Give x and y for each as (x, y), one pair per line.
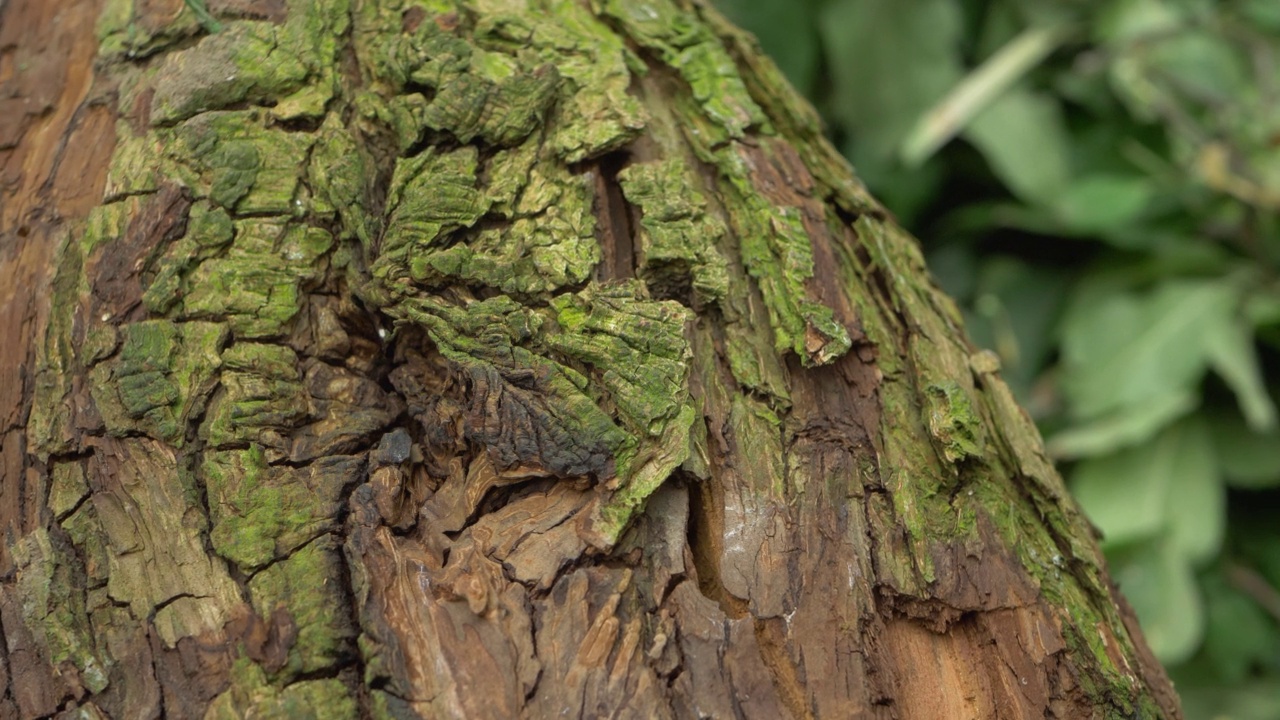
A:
(1197, 515)
(981, 88)
(1249, 460)
(1202, 64)
(1265, 13)
(1122, 349)
(1103, 203)
(1263, 308)
(1015, 312)
(1123, 494)
(1123, 21)
(889, 62)
(1239, 634)
(786, 31)
(1257, 542)
(1160, 585)
(1024, 139)
(955, 267)
(1234, 357)
(1168, 487)
(1033, 296)
(1128, 426)
(1207, 698)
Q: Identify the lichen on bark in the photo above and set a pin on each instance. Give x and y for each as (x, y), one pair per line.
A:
(515, 358)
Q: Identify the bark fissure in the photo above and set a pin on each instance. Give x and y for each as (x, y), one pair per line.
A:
(614, 226)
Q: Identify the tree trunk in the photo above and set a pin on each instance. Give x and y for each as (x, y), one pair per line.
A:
(496, 359)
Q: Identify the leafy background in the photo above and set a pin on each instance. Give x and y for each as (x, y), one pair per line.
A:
(1097, 181)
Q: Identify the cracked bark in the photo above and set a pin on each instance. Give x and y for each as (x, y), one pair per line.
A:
(488, 360)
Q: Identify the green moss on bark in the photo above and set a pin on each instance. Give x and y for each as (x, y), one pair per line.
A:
(51, 596)
(240, 163)
(486, 123)
(688, 46)
(252, 695)
(261, 397)
(939, 490)
(262, 512)
(305, 585)
(677, 238)
(209, 230)
(159, 378)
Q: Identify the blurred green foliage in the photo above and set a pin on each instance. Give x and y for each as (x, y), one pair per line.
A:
(1097, 182)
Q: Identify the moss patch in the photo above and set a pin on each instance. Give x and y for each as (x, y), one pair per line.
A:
(688, 46)
(50, 591)
(261, 398)
(238, 162)
(304, 585)
(262, 512)
(252, 695)
(677, 238)
(159, 379)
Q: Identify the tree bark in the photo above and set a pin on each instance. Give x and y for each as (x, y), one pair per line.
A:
(496, 359)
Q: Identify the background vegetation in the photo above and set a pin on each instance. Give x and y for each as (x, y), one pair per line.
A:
(1097, 182)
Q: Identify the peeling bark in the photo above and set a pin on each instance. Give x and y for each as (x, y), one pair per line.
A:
(409, 358)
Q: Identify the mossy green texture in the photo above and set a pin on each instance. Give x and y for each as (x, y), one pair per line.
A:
(233, 66)
(252, 695)
(677, 237)
(757, 429)
(261, 396)
(517, 70)
(1046, 528)
(548, 244)
(122, 31)
(252, 61)
(50, 592)
(952, 423)
(1005, 478)
(793, 117)
(777, 253)
(159, 378)
(491, 340)
(753, 368)
(305, 584)
(430, 196)
(632, 352)
(209, 230)
(341, 173)
(48, 426)
(641, 357)
(925, 393)
(85, 530)
(239, 162)
(531, 255)
(67, 487)
(773, 242)
(636, 345)
(490, 98)
(256, 285)
(106, 223)
(685, 43)
(262, 512)
(597, 114)
(137, 167)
